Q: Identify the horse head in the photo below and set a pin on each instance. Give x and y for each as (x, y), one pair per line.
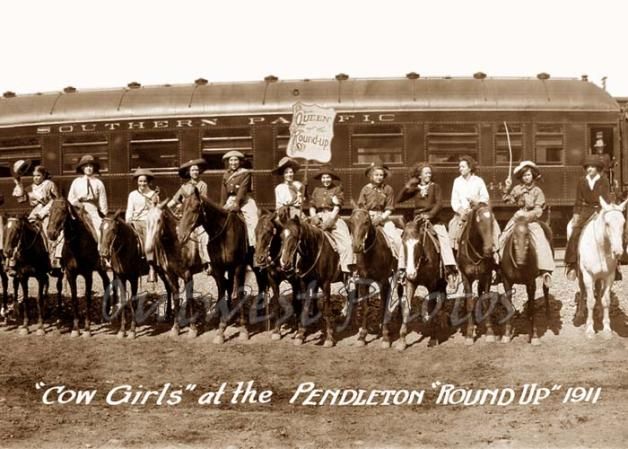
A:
(290, 236)
(265, 233)
(520, 240)
(108, 232)
(614, 221)
(413, 250)
(59, 211)
(12, 235)
(361, 225)
(483, 224)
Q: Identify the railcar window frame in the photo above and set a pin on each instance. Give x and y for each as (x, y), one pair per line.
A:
(548, 134)
(357, 132)
(149, 137)
(11, 153)
(76, 155)
(520, 135)
(209, 153)
(454, 153)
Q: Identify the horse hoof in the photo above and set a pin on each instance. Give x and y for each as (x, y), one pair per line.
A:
(385, 344)
(505, 339)
(275, 336)
(468, 341)
(607, 335)
(298, 341)
(490, 338)
(244, 336)
(87, 334)
(40, 332)
(22, 330)
(535, 341)
(74, 333)
(360, 343)
(432, 343)
(193, 333)
(590, 334)
(328, 344)
(174, 333)
(218, 340)
(120, 334)
(132, 335)
(401, 346)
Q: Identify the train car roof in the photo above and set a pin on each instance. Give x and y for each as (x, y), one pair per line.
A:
(243, 98)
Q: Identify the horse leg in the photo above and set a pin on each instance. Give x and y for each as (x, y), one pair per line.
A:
(362, 290)
(5, 294)
(470, 305)
(301, 305)
(223, 307)
(385, 298)
(324, 305)
(242, 300)
(42, 284)
(23, 306)
(404, 302)
(176, 300)
(607, 334)
(59, 301)
(75, 309)
(190, 306)
(122, 304)
(589, 285)
(531, 289)
(507, 300)
(89, 282)
(273, 307)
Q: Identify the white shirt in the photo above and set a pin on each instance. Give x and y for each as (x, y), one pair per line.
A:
(139, 204)
(592, 181)
(289, 195)
(92, 196)
(466, 190)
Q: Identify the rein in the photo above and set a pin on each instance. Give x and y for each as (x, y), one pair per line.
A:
(206, 220)
(318, 255)
(475, 258)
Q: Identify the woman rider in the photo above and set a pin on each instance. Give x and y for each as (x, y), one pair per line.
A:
(289, 193)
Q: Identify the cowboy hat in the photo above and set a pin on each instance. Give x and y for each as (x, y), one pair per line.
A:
(20, 168)
(87, 159)
(326, 169)
(233, 153)
(599, 143)
(375, 165)
(593, 161)
(143, 172)
(284, 163)
(520, 169)
(184, 170)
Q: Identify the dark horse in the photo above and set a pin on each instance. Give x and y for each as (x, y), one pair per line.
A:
(5, 283)
(79, 255)
(175, 260)
(475, 262)
(267, 252)
(228, 251)
(121, 245)
(519, 266)
(375, 264)
(25, 242)
(423, 267)
(317, 266)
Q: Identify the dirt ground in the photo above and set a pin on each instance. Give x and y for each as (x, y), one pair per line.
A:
(103, 362)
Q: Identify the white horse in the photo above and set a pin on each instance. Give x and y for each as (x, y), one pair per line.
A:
(599, 250)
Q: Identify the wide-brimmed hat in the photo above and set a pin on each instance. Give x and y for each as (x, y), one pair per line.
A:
(143, 172)
(594, 161)
(184, 170)
(326, 169)
(20, 168)
(521, 168)
(375, 165)
(284, 163)
(233, 153)
(87, 159)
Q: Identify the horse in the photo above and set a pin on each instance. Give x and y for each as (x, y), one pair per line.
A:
(519, 266)
(176, 260)
(79, 254)
(121, 244)
(267, 252)
(375, 264)
(599, 250)
(475, 262)
(317, 266)
(228, 251)
(423, 267)
(25, 243)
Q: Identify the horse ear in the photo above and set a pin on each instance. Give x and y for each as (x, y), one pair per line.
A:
(603, 203)
(119, 215)
(163, 203)
(622, 206)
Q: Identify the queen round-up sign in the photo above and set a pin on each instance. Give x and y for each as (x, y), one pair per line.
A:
(311, 132)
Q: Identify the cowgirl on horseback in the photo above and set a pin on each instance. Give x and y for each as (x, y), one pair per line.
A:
(289, 193)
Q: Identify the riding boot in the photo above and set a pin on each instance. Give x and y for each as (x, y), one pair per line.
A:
(208, 269)
(547, 279)
(618, 275)
(570, 270)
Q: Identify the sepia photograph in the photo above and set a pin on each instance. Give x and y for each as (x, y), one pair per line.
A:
(313, 225)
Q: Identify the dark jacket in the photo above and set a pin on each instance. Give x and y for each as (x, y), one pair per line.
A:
(587, 200)
(430, 204)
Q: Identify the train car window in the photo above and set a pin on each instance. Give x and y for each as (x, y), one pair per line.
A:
(447, 141)
(14, 149)
(217, 141)
(502, 154)
(377, 143)
(158, 151)
(549, 143)
(72, 148)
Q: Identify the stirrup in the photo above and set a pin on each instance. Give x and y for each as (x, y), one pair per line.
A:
(547, 280)
(401, 277)
(571, 273)
(208, 269)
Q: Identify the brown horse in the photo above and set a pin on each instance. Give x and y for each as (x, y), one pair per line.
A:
(267, 252)
(519, 266)
(79, 255)
(4, 311)
(228, 251)
(25, 243)
(121, 244)
(317, 266)
(375, 264)
(423, 267)
(174, 259)
(475, 261)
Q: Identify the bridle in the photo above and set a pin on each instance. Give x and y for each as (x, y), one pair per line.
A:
(299, 250)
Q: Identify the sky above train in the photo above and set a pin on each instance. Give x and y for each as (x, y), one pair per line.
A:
(47, 46)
